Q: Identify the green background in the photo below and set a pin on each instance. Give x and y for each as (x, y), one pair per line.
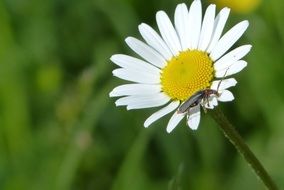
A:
(60, 130)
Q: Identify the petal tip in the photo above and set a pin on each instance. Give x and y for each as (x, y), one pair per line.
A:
(160, 12)
(249, 47)
(234, 82)
(141, 26)
(181, 5)
(245, 23)
(193, 128)
(111, 94)
(114, 72)
(128, 39)
(112, 58)
(160, 15)
(169, 130)
(226, 9)
(146, 124)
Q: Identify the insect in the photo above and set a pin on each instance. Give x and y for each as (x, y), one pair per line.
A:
(196, 98)
(200, 95)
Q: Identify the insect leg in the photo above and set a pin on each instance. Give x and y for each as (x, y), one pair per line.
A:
(222, 80)
(187, 116)
(207, 101)
(203, 106)
(204, 109)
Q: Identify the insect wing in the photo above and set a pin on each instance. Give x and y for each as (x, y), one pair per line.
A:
(188, 103)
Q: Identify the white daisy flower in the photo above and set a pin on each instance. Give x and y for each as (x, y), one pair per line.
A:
(186, 57)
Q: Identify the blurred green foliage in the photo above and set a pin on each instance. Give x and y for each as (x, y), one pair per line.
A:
(60, 130)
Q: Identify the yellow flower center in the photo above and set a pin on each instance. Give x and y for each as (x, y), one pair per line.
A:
(239, 6)
(187, 73)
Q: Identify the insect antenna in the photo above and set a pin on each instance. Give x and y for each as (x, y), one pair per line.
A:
(222, 79)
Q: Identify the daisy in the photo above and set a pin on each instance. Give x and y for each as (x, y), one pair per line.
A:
(186, 56)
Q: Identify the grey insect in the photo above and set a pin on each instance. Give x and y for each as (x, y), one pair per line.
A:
(195, 99)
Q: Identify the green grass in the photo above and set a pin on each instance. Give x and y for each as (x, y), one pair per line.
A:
(60, 130)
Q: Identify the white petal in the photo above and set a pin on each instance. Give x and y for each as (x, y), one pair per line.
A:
(152, 100)
(161, 113)
(194, 117)
(146, 52)
(219, 25)
(154, 40)
(168, 32)
(132, 63)
(207, 28)
(226, 96)
(214, 101)
(136, 76)
(195, 18)
(232, 57)
(226, 83)
(228, 40)
(232, 69)
(182, 26)
(174, 121)
(149, 101)
(135, 89)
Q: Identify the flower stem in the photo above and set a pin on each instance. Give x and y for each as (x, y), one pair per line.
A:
(234, 137)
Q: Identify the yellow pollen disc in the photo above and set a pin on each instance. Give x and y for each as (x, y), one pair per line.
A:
(239, 6)
(187, 73)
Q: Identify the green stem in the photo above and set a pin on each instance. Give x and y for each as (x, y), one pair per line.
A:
(242, 147)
